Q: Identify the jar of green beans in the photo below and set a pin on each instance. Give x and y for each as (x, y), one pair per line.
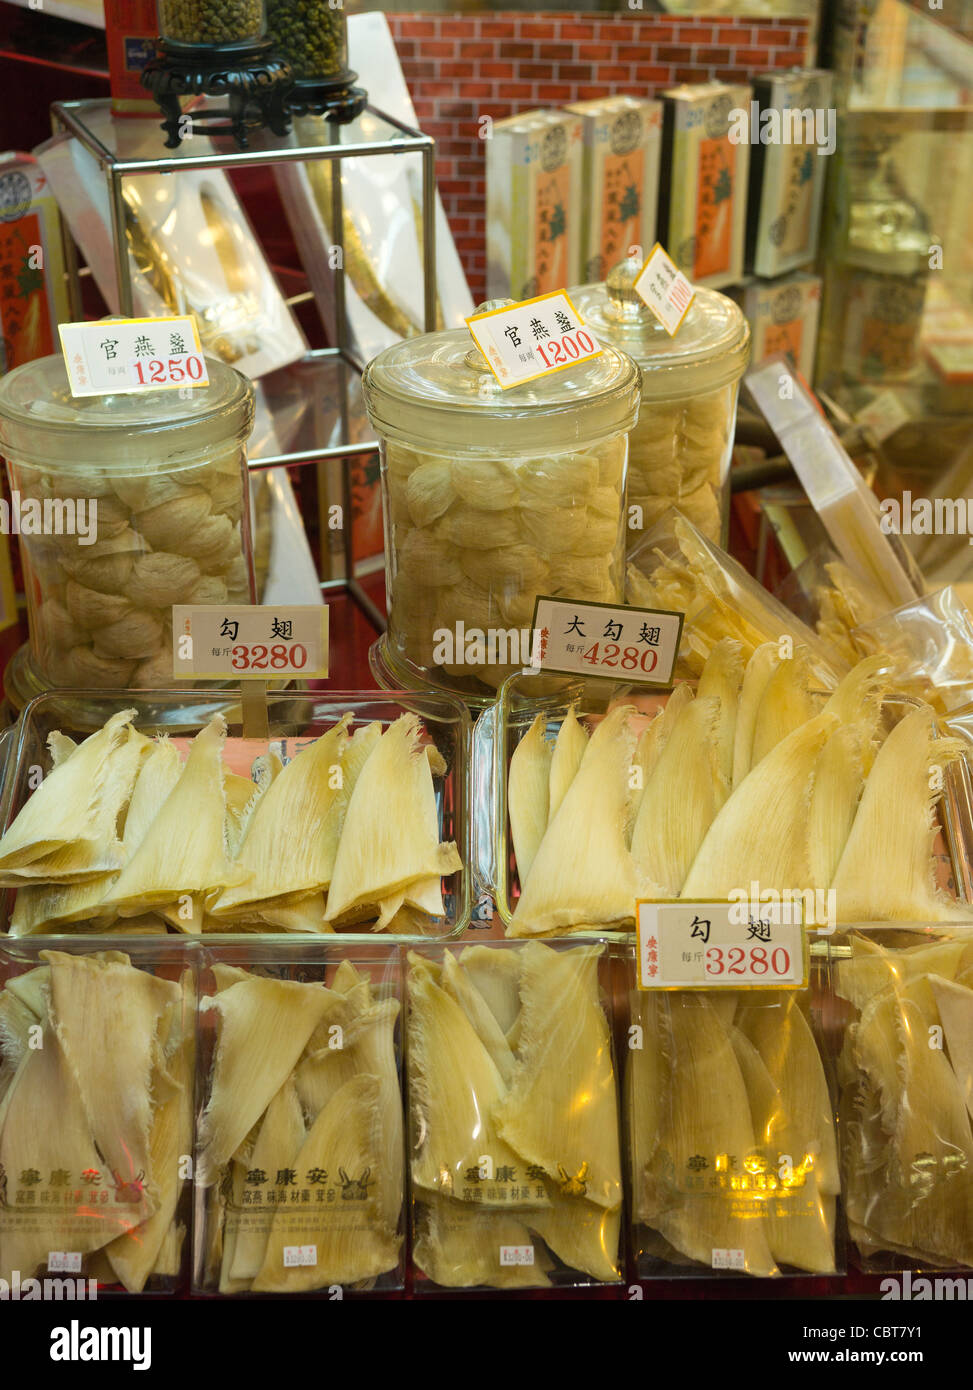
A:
(212, 23)
(313, 36)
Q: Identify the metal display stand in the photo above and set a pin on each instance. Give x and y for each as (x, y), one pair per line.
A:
(336, 368)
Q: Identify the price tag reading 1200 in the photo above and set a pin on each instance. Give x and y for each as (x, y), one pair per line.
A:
(255, 643)
(748, 944)
(530, 339)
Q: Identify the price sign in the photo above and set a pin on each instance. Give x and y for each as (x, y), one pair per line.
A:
(121, 356)
(64, 1262)
(663, 287)
(599, 639)
(300, 1256)
(516, 1254)
(722, 945)
(250, 643)
(533, 338)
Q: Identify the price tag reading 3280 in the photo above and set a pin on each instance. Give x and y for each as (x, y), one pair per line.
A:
(245, 643)
(749, 944)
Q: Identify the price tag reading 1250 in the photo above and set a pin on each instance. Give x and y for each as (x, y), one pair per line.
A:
(722, 945)
(120, 356)
(254, 643)
(530, 339)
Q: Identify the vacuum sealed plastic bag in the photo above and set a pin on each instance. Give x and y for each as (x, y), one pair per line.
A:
(96, 1116)
(731, 1134)
(906, 1076)
(300, 1158)
(516, 1172)
(191, 248)
(676, 568)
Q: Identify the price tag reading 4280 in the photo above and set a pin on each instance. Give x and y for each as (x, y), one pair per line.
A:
(722, 945)
(530, 339)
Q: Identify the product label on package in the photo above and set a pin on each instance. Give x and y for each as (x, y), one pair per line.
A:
(600, 639)
(729, 1259)
(664, 288)
(300, 1256)
(64, 1262)
(250, 643)
(533, 338)
(744, 944)
(885, 413)
(516, 1254)
(122, 356)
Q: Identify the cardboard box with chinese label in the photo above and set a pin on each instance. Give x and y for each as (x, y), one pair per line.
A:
(534, 219)
(622, 149)
(131, 30)
(33, 295)
(783, 316)
(793, 130)
(703, 194)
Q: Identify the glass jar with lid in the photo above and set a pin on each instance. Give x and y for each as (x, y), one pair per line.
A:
(212, 23)
(125, 504)
(493, 497)
(679, 452)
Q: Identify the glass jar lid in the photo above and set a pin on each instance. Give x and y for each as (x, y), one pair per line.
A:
(42, 424)
(438, 390)
(710, 348)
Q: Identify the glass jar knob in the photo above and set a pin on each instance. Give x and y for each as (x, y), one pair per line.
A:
(625, 303)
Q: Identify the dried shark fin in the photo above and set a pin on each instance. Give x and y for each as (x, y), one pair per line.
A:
(756, 678)
(390, 837)
(458, 1245)
(44, 1126)
(796, 1133)
(705, 1111)
(354, 756)
(926, 1203)
(653, 739)
(264, 1027)
(583, 874)
(560, 1112)
(184, 851)
(723, 677)
(528, 794)
(455, 1088)
(760, 834)
(839, 777)
(107, 1017)
(352, 1241)
(955, 1005)
(569, 749)
(60, 823)
(140, 1253)
(496, 975)
(282, 1134)
(681, 799)
(785, 705)
(283, 851)
(582, 1234)
(886, 869)
(458, 984)
(239, 793)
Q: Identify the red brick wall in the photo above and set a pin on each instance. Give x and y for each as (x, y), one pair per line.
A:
(461, 68)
